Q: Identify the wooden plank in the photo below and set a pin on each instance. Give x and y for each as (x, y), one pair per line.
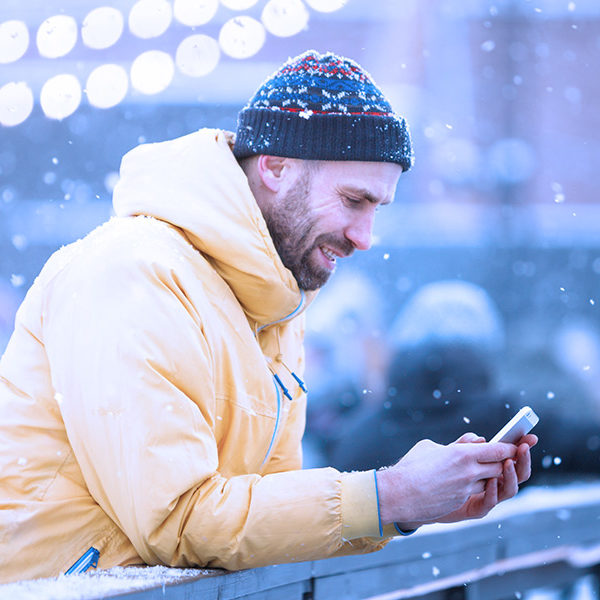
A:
(423, 544)
(510, 585)
(549, 528)
(294, 591)
(230, 585)
(359, 583)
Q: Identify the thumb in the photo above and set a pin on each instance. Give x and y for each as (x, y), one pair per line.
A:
(470, 437)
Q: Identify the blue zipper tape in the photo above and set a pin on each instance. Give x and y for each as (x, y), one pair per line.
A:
(276, 423)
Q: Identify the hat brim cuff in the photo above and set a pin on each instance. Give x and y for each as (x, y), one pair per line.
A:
(312, 136)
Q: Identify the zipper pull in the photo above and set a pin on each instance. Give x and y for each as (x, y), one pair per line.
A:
(286, 392)
(300, 382)
(81, 565)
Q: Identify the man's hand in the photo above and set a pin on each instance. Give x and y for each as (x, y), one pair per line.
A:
(463, 480)
(499, 489)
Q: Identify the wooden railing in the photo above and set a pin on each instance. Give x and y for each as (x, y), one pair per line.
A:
(544, 537)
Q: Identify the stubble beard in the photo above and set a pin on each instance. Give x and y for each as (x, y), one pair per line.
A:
(291, 226)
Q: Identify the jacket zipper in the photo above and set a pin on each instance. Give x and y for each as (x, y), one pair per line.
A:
(82, 564)
(276, 378)
(276, 423)
(291, 315)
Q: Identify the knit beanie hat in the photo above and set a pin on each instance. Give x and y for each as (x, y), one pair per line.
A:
(322, 107)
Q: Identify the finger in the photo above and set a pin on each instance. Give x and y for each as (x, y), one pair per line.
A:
(496, 452)
(491, 493)
(530, 439)
(523, 463)
(510, 484)
(489, 470)
(478, 486)
(490, 499)
(469, 437)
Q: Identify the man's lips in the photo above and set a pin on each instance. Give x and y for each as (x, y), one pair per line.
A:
(331, 255)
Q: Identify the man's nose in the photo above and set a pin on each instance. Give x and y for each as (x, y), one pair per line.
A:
(360, 231)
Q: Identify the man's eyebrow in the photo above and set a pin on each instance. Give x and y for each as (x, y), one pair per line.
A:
(367, 195)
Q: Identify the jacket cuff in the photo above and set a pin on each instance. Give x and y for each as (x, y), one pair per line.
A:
(390, 530)
(360, 509)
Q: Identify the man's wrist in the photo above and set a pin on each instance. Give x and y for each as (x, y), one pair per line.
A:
(383, 496)
(388, 499)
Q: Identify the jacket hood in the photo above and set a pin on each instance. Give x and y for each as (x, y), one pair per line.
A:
(195, 183)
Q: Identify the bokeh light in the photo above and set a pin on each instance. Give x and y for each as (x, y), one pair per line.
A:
(242, 37)
(195, 12)
(14, 41)
(107, 86)
(238, 4)
(16, 103)
(284, 18)
(150, 18)
(197, 55)
(102, 27)
(152, 72)
(326, 5)
(60, 96)
(57, 36)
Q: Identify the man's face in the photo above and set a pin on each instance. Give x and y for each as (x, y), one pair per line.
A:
(327, 212)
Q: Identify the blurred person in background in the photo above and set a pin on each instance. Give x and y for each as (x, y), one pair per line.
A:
(345, 359)
(446, 348)
(151, 401)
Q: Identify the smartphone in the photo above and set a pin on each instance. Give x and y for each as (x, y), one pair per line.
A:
(523, 422)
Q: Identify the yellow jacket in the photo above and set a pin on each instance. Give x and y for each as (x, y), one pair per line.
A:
(139, 414)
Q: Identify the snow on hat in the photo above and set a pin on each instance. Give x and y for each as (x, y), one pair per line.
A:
(322, 107)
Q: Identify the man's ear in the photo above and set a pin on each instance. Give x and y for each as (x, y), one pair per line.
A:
(272, 171)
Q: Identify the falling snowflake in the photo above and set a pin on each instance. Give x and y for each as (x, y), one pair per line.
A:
(17, 280)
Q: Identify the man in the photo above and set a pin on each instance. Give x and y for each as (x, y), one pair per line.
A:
(151, 401)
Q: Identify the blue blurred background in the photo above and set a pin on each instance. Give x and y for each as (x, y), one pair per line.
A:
(502, 99)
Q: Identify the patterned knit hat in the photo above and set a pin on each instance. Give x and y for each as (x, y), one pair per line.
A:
(322, 107)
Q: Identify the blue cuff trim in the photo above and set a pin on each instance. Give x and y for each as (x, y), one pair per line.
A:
(402, 532)
(378, 511)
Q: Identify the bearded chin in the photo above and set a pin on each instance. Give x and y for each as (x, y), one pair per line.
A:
(309, 276)
(292, 228)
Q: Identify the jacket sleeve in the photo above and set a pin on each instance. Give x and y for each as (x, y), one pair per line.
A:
(134, 373)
